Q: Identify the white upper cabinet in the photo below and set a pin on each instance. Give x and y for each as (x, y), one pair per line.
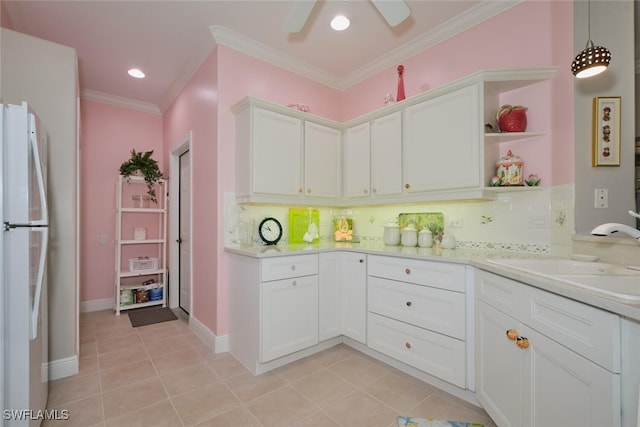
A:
(442, 143)
(357, 165)
(322, 165)
(386, 155)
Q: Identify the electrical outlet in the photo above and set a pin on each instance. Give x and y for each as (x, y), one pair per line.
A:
(455, 223)
(601, 198)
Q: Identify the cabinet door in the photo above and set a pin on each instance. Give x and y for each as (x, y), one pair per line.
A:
(330, 296)
(322, 161)
(277, 153)
(500, 367)
(565, 389)
(356, 166)
(289, 316)
(441, 143)
(354, 296)
(386, 155)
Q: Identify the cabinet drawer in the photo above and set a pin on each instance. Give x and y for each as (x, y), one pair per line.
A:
(287, 267)
(589, 331)
(435, 354)
(435, 274)
(430, 308)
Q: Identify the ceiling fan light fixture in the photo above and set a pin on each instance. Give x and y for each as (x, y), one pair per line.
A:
(593, 60)
(340, 23)
(137, 73)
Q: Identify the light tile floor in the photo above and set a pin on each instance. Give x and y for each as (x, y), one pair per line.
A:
(163, 375)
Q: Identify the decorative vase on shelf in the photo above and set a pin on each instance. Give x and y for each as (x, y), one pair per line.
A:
(400, 96)
(512, 118)
(509, 170)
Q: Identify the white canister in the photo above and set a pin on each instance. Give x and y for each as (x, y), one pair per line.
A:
(425, 239)
(391, 236)
(448, 241)
(409, 236)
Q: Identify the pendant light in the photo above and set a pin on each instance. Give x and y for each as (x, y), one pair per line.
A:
(592, 60)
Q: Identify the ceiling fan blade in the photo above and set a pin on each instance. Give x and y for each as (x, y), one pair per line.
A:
(393, 11)
(298, 15)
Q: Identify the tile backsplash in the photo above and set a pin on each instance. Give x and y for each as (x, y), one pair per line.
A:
(532, 220)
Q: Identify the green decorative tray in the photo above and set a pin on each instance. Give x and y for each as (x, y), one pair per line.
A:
(432, 221)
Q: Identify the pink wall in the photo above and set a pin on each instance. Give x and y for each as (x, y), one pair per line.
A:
(195, 110)
(107, 136)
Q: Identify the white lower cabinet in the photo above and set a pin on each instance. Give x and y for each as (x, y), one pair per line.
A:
(343, 295)
(417, 315)
(527, 377)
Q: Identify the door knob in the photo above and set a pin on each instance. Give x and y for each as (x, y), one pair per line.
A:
(179, 240)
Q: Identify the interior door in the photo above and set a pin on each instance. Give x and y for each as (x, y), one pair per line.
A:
(184, 232)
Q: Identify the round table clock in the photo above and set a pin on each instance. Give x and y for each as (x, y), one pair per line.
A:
(270, 231)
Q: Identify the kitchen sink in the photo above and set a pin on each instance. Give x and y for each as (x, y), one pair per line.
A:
(613, 280)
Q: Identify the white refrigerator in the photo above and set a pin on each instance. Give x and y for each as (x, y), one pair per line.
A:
(23, 257)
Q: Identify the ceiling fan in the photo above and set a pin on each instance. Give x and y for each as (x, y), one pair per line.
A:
(393, 11)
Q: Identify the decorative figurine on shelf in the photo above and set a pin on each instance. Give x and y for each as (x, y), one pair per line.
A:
(388, 99)
(400, 96)
(495, 182)
(533, 180)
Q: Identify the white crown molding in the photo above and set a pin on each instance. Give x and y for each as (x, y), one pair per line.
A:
(256, 49)
(93, 95)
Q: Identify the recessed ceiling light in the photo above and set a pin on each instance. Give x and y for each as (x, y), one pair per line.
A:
(134, 72)
(340, 22)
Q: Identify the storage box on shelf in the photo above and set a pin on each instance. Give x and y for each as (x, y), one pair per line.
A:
(141, 245)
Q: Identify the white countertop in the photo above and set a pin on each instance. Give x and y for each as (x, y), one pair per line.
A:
(475, 258)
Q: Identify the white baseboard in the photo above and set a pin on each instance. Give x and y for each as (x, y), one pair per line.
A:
(63, 368)
(96, 305)
(217, 344)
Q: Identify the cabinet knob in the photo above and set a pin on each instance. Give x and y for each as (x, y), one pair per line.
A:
(522, 342)
(365, 191)
(299, 190)
(374, 190)
(408, 303)
(308, 191)
(407, 270)
(294, 283)
(407, 186)
(293, 267)
(361, 261)
(407, 344)
(512, 334)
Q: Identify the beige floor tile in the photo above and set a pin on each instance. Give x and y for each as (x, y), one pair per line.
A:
(204, 350)
(323, 387)
(89, 349)
(284, 406)
(87, 336)
(204, 403)
(125, 356)
(117, 330)
(444, 407)
(133, 397)
(81, 413)
(177, 360)
(237, 417)
(127, 374)
(166, 346)
(161, 414)
(247, 386)
(118, 343)
(299, 369)
(74, 388)
(333, 355)
(225, 365)
(317, 419)
(188, 379)
(359, 409)
(399, 391)
(88, 365)
(359, 370)
(158, 332)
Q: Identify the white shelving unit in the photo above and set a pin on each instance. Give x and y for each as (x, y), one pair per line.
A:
(141, 241)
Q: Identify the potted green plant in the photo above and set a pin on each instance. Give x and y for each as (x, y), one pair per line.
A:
(143, 164)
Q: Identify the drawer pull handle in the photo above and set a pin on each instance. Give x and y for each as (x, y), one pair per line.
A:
(407, 186)
(294, 283)
(407, 270)
(512, 334)
(407, 344)
(361, 261)
(408, 303)
(522, 342)
(293, 267)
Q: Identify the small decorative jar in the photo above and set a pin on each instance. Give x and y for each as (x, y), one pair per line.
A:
(409, 236)
(391, 236)
(509, 169)
(448, 241)
(512, 118)
(425, 239)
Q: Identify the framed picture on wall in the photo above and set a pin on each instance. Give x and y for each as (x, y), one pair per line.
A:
(606, 131)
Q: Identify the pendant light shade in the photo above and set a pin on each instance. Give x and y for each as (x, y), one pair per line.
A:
(592, 60)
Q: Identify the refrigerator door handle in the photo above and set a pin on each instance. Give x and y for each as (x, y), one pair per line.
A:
(42, 271)
(40, 177)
